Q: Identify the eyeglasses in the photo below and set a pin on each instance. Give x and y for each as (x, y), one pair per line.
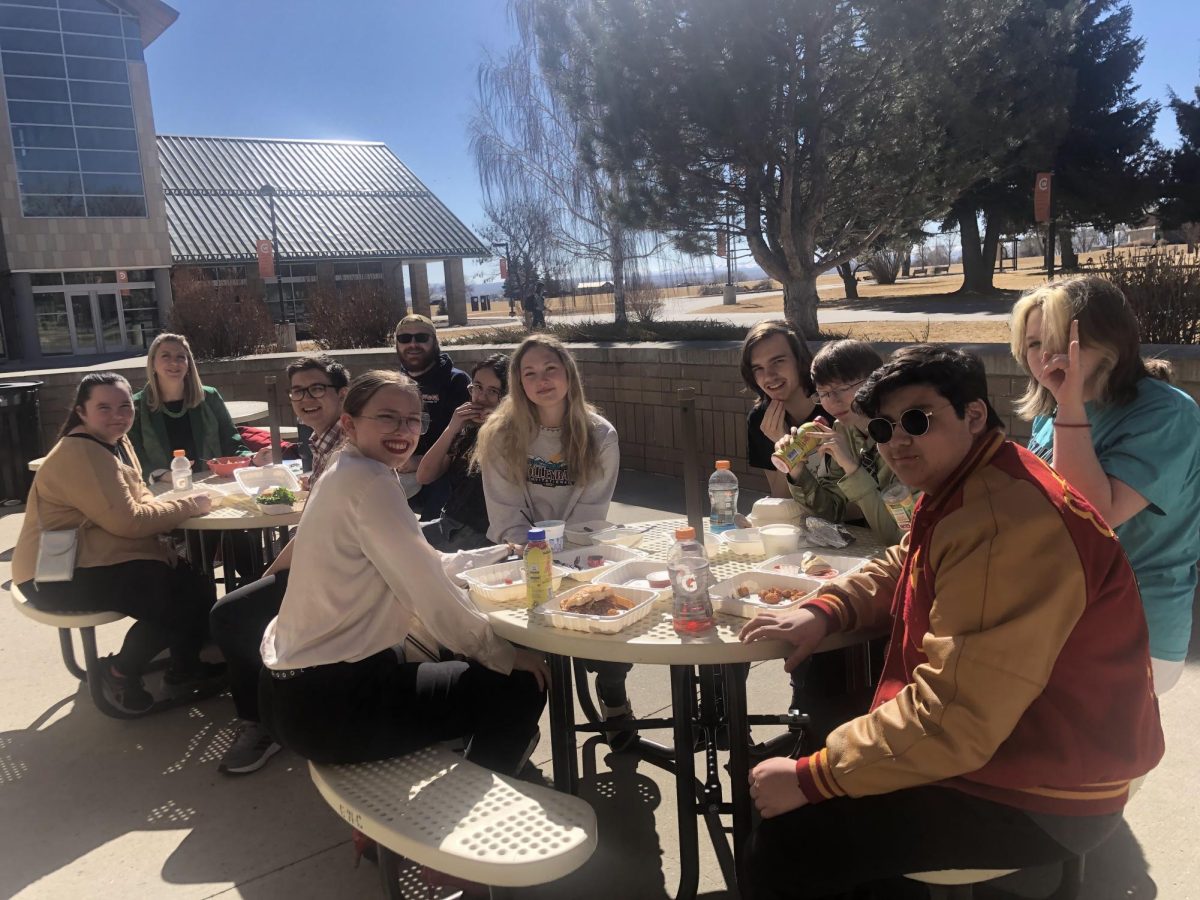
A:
(477, 388)
(421, 337)
(834, 393)
(316, 391)
(391, 424)
(915, 423)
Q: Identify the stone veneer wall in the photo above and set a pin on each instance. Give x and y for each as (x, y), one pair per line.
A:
(634, 387)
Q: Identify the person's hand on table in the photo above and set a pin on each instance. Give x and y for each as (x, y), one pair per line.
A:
(535, 664)
(201, 504)
(803, 628)
(774, 788)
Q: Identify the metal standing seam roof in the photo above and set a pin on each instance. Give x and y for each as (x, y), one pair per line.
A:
(333, 199)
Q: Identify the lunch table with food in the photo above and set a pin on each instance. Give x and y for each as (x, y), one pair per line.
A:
(612, 601)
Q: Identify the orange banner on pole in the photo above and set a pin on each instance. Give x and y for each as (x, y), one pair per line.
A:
(266, 258)
(504, 267)
(1041, 197)
(722, 243)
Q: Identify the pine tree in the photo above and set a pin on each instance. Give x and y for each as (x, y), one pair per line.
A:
(1182, 195)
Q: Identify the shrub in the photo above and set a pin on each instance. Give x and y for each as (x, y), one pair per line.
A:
(1164, 294)
(217, 320)
(355, 316)
(884, 265)
(712, 290)
(643, 301)
(595, 331)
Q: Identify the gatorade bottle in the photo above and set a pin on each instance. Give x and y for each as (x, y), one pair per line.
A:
(539, 565)
(181, 471)
(687, 564)
(722, 498)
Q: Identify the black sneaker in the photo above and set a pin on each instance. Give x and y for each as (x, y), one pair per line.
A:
(199, 677)
(125, 693)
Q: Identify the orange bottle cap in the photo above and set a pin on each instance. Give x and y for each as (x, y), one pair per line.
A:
(722, 464)
(685, 534)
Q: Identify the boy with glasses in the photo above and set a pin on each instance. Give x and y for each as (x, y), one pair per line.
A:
(848, 485)
(316, 386)
(1016, 703)
(443, 389)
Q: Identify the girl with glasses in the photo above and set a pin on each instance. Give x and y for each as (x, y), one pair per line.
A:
(1127, 441)
(851, 477)
(334, 688)
(463, 524)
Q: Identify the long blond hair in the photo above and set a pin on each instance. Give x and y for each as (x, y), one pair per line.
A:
(1106, 324)
(193, 388)
(509, 432)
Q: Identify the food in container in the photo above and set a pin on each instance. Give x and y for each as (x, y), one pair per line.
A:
(596, 600)
(225, 466)
(792, 564)
(616, 611)
(590, 562)
(277, 501)
(749, 594)
(816, 566)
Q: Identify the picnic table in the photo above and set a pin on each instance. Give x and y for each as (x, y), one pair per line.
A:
(242, 411)
(714, 662)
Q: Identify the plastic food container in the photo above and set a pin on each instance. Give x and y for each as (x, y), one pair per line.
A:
(504, 582)
(256, 479)
(585, 532)
(779, 539)
(278, 509)
(554, 529)
(552, 613)
(724, 593)
(224, 466)
(584, 570)
(619, 534)
(744, 541)
(789, 564)
(636, 573)
(776, 511)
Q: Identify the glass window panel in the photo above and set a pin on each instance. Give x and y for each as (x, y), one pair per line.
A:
(141, 325)
(41, 205)
(86, 5)
(50, 303)
(54, 335)
(108, 161)
(104, 116)
(50, 183)
(133, 50)
(97, 69)
(136, 275)
(106, 138)
(132, 28)
(116, 207)
(48, 160)
(91, 45)
(23, 17)
(40, 64)
(54, 136)
(45, 279)
(26, 112)
(102, 276)
(113, 184)
(48, 4)
(33, 41)
(98, 92)
(345, 268)
(91, 23)
(35, 89)
(370, 267)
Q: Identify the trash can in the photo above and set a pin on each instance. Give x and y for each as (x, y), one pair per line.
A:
(474, 304)
(487, 302)
(20, 437)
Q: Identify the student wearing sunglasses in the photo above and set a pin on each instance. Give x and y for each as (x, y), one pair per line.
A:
(1015, 628)
(443, 389)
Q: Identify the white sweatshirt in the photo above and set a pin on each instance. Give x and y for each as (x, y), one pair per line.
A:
(362, 572)
(548, 490)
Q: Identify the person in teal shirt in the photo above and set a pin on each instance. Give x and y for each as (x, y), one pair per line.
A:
(1129, 442)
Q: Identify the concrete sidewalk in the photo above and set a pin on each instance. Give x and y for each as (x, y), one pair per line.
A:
(99, 808)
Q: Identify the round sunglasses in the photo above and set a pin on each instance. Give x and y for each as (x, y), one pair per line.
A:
(915, 423)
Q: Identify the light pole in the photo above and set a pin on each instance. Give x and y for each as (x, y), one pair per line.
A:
(269, 192)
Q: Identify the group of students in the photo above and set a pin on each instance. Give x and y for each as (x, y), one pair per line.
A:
(1018, 667)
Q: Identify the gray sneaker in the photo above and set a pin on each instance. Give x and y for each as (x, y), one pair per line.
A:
(250, 750)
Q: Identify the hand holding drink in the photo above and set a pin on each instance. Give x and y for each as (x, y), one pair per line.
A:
(793, 449)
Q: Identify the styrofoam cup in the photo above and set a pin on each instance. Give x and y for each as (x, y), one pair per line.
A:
(779, 539)
(555, 531)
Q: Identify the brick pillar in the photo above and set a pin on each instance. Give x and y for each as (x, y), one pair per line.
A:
(393, 286)
(456, 291)
(418, 278)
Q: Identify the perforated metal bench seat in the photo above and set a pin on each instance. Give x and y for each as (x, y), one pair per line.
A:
(62, 620)
(442, 811)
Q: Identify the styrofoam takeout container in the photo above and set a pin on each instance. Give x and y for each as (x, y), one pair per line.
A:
(578, 557)
(256, 479)
(585, 532)
(633, 573)
(504, 582)
(619, 534)
(552, 612)
(789, 564)
(744, 541)
(724, 593)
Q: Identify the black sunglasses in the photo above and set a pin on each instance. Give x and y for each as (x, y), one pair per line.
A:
(421, 338)
(915, 423)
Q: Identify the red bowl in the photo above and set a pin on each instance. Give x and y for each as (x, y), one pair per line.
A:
(223, 466)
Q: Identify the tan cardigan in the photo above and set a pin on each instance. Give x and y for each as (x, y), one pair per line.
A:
(82, 485)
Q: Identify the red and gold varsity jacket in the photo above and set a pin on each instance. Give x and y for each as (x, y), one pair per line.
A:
(1018, 668)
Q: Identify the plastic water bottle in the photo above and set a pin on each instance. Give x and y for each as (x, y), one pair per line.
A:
(722, 497)
(181, 471)
(539, 569)
(687, 564)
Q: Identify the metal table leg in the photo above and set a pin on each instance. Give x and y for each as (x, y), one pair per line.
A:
(739, 762)
(562, 726)
(682, 698)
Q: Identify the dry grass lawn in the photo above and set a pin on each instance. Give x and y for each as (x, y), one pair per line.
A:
(966, 332)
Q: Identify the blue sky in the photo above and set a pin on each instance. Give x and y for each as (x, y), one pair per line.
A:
(403, 72)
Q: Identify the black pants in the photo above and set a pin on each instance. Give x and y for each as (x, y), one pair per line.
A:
(834, 846)
(238, 622)
(170, 607)
(380, 707)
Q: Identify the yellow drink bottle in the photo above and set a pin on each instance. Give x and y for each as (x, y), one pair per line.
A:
(539, 566)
